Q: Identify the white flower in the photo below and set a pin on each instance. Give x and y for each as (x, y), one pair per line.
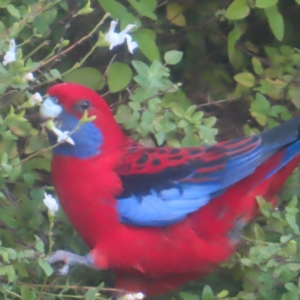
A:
(137, 296)
(36, 98)
(62, 136)
(51, 204)
(131, 45)
(10, 55)
(115, 39)
(28, 77)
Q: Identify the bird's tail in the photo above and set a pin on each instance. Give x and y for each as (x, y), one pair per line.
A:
(285, 136)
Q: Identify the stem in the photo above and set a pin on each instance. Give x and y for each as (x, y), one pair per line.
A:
(12, 293)
(75, 44)
(45, 43)
(79, 64)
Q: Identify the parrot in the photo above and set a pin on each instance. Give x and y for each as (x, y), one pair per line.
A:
(157, 216)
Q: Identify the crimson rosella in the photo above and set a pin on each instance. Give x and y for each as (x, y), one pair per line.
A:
(158, 217)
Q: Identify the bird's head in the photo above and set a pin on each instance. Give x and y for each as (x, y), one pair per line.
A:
(66, 104)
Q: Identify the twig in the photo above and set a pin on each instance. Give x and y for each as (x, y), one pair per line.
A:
(75, 44)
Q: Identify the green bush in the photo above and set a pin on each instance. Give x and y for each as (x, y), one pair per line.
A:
(203, 71)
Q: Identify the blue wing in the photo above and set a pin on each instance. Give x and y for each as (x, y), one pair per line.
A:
(161, 186)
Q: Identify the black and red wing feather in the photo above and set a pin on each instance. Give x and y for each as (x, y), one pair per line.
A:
(162, 185)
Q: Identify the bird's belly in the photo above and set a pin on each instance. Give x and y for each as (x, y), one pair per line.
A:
(161, 252)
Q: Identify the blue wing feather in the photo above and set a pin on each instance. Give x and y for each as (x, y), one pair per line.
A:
(165, 197)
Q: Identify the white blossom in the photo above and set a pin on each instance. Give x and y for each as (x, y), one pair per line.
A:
(28, 77)
(51, 204)
(36, 98)
(10, 55)
(115, 39)
(137, 296)
(62, 136)
(131, 45)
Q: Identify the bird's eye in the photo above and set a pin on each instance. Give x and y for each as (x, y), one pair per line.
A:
(55, 100)
(84, 105)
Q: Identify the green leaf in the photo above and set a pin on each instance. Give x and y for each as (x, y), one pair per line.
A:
(39, 245)
(4, 3)
(259, 233)
(11, 253)
(86, 9)
(182, 123)
(146, 40)
(188, 296)
(275, 22)
(4, 158)
(222, 294)
(178, 111)
(16, 171)
(28, 179)
(191, 109)
(40, 24)
(45, 266)
(294, 266)
(160, 137)
(210, 122)
(2, 27)
(246, 79)
(197, 116)
(145, 7)
(237, 10)
(173, 57)
(87, 76)
(154, 105)
(27, 294)
(13, 11)
(118, 77)
(9, 271)
(233, 36)
(207, 293)
(257, 66)
(246, 262)
(260, 108)
(134, 105)
(174, 14)
(7, 218)
(291, 248)
(264, 206)
(116, 9)
(297, 1)
(90, 294)
(55, 73)
(123, 114)
(147, 118)
(50, 15)
(294, 93)
(140, 67)
(265, 3)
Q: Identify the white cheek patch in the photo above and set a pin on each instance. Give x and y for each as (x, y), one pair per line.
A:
(49, 109)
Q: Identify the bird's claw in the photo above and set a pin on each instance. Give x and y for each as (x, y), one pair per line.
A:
(61, 257)
(67, 259)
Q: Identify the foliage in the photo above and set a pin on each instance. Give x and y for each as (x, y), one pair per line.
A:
(202, 67)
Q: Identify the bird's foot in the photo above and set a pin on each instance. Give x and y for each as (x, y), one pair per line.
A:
(68, 259)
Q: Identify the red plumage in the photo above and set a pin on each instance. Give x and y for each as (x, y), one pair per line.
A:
(153, 259)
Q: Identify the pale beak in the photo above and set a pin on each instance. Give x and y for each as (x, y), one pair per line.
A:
(49, 109)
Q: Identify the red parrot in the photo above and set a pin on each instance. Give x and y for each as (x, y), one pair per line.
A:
(158, 217)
